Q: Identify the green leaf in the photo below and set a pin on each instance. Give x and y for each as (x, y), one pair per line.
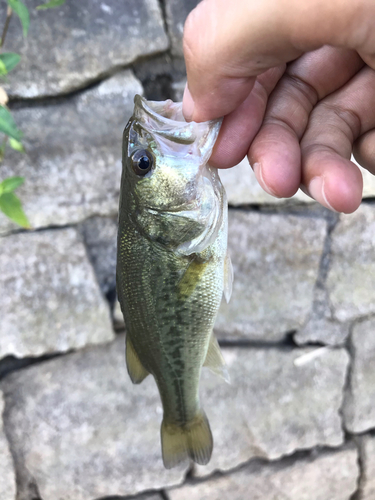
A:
(7, 124)
(12, 208)
(22, 12)
(10, 184)
(3, 68)
(9, 60)
(51, 4)
(17, 145)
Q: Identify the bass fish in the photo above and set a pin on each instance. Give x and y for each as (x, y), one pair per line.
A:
(172, 266)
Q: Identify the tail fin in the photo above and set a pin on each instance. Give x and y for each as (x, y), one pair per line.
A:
(193, 440)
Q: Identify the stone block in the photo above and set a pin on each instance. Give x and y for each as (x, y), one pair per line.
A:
(351, 278)
(72, 165)
(367, 455)
(80, 42)
(279, 401)
(7, 473)
(90, 432)
(100, 237)
(51, 301)
(176, 14)
(276, 261)
(323, 476)
(359, 408)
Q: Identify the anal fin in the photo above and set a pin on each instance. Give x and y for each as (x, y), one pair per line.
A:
(136, 370)
(215, 361)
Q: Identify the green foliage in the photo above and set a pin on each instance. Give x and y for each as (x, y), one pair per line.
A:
(16, 145)
(12, 208)
(22, 12)
(7, 124)
(10, 184)
(8, 61)
(51, 4)
(10, 205)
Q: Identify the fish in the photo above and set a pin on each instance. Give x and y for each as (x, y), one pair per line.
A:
(172, 266)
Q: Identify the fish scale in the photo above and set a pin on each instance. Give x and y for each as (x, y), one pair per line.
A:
(171, 266)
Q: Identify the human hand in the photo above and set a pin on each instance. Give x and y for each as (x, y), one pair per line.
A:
(297, 123)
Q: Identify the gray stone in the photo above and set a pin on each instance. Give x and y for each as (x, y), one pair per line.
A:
(176, 14)
(359, 408)
(100, 237)
(275, 260)
(351, 278)
(367, 455)
(320, 327)
(118, 318)
(73, 162)
(324, 331)
(7, 473)
(324, 476)
(52, 302)
(69, 47)
(146, 496)
(279, 401)
(90, 432)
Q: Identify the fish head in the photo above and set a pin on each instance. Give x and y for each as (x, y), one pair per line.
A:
(174, 194)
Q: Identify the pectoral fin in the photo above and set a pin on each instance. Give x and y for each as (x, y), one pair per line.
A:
(136, 370)
(228, 277)
(191, 277)
(215, 361)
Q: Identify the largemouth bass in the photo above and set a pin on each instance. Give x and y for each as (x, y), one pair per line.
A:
(172, 266)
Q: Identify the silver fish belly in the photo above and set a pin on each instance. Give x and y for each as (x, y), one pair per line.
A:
(172, 266)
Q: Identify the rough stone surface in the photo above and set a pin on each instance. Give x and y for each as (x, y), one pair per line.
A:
(146, 496)
(52, 301)
(100, 237)
(359, 408)
(73, 161)
(367, 454)
(320, 327)
(275, 260)
(118, 318)
(7, 473)
(176, 14)
(322, 330)
(69, 47)
(90, 432)
(277, 402)
(350, 281)
(326, 476)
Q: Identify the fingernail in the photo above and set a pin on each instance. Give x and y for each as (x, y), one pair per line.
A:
(259, 175)
(187, 105)
(316, 189)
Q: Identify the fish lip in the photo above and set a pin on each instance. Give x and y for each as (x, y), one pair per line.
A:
(152, 116)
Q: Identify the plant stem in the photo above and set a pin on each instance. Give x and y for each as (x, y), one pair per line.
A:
(6, 25)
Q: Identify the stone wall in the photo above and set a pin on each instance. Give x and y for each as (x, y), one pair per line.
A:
(297, 421)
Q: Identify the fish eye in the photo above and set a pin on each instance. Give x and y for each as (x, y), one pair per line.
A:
(142, 161)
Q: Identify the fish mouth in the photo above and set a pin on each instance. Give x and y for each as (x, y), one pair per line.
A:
(165, 119)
